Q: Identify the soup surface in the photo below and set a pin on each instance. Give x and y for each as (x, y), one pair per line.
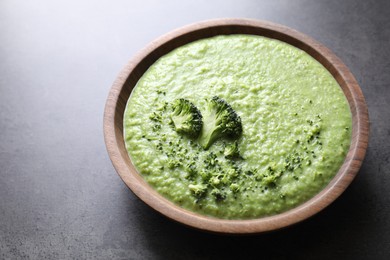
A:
(296, 127)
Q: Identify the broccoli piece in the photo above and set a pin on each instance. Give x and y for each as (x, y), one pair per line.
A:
(173, 163)
(186, 117)
(232, 173)
(220, 120)
(191, 170)
(198, 190)
(218, 194)
(270, 177)
(231, 151)
(269, 180)
(215, 181)
(211, 160)
(205, 175)
(235, 187)
(155, 117)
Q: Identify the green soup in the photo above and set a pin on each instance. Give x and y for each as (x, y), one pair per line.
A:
(296, 126)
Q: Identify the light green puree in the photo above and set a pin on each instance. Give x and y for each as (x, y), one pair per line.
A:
(296, 126)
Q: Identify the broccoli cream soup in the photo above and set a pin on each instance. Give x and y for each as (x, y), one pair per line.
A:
(237, 126)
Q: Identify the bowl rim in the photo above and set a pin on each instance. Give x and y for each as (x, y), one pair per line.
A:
(124, 83)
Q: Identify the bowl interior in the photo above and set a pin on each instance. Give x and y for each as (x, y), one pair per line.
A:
(128, 78)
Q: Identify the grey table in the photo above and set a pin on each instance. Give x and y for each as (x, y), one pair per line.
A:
(61, 198)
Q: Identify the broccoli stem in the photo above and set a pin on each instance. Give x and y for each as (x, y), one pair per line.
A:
(210, 132)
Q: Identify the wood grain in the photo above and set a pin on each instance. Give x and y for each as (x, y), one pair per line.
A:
(127, 79)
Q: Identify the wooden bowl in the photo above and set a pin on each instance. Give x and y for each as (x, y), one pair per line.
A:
(127, 79)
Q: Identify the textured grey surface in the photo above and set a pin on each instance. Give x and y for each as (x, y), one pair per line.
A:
(61, 198)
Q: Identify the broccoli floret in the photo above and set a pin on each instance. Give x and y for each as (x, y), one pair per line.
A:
(186, 117)
(220, 120)
(231, 151)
